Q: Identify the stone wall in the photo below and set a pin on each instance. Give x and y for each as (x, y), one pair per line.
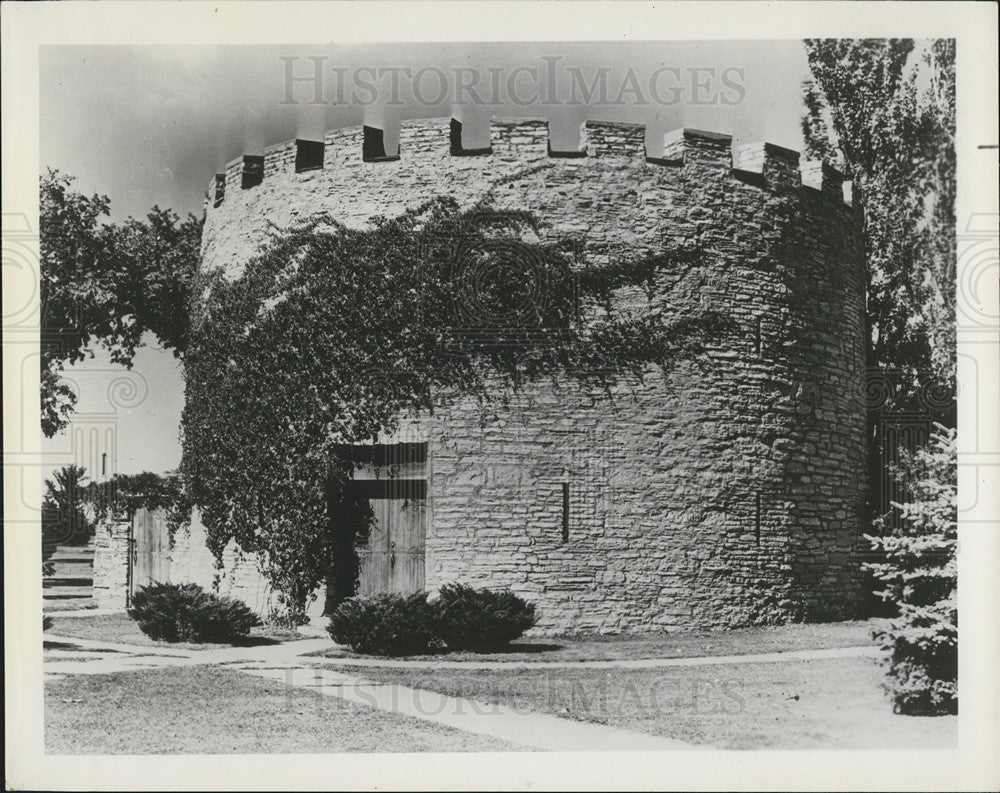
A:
(111, 552)
(190, 561)
(723, 492)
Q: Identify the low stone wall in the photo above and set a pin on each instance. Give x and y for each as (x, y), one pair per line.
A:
(190, 561)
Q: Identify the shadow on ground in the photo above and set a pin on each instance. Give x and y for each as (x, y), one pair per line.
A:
(53, 645)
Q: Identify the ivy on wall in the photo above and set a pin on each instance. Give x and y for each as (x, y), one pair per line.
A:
(123, 494)
(331, 334)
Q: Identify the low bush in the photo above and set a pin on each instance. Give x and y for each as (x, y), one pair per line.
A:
(187, 613)
(481, 620)
(385, 624)
(461, 618)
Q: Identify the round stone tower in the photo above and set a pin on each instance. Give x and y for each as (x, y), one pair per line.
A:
(724, 491)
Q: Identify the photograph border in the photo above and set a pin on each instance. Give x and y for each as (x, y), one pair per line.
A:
(974, 765)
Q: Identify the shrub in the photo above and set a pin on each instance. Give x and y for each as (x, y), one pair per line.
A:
(919, 575)
(385, 624)
(481, 620)
(187, 613)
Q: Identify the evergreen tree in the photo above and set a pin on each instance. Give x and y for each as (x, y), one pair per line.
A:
(63, 520)
(919, 575)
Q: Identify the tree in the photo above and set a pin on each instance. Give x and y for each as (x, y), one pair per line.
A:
(919, 575)
(106, 284)
(63, 520)
(883, 110)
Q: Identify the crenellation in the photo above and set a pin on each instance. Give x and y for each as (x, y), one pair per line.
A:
(852, 193)
(685, 147)
(611, 138)
(373, 146)
(309, 155)
(253, 170)
(822, 177)
(218, 190)
(517, 136)
(764, 165)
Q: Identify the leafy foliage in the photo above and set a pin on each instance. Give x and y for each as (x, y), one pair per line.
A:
(884, 111)
(919, 574)
(186, 613)
(64, 521)
(481, 620)
(285, 619)
(107, 284)
(386, 624)
(123, 494)
(332, 334)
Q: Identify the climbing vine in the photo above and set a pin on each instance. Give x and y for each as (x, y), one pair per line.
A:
(123, 494)
(331, 334)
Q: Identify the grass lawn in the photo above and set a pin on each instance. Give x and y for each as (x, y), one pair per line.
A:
(208, 710)
(123, 629)
(821, 704)
(814, 636)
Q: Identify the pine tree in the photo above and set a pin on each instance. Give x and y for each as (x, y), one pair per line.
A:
(919, 575)
(63, 520)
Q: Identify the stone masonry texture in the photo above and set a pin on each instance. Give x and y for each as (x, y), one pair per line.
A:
(723, 492)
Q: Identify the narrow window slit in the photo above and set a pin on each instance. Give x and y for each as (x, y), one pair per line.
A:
(565, 512)
(757, 518)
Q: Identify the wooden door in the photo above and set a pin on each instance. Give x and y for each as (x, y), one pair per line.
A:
(393, 558)
(150, 548)
(394, 484)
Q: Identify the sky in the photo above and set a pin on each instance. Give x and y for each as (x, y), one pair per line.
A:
(151, 125)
